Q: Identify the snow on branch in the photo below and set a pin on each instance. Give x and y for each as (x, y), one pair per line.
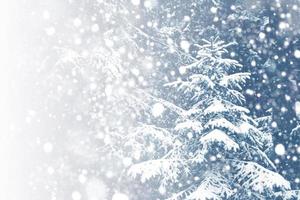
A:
(216, 44)
(160, 134)
(168, 104)
(202, 79)
(217, 106)
(257, 178)
(184, 86)
(234, 80)
(235, 95)
(253, 151)
(261, 121)
(182, 194)
(222, 123)
(287, 195)
(194, 125)
(218, 136)
(252, 133)
(189, 87)
(169, 169)
(227, 63)
(295, 130)
(214, 186)
(215, 47)
(197, 82)
(198, 64)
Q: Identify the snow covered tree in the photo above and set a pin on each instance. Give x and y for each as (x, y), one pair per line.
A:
(96, 82)
(215, 150)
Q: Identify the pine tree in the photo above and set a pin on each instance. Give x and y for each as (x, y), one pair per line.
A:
(215, 150)
(95, 82)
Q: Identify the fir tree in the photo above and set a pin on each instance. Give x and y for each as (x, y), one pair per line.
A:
(215, 150)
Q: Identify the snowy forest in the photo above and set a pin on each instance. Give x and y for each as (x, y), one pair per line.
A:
(152, 100)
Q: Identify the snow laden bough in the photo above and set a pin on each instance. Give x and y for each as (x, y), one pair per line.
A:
(215, 150)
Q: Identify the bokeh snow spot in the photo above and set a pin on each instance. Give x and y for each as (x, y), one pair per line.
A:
(157, 109)
(280, 149)
(120, 196)
(76, 195)
(48, 147)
